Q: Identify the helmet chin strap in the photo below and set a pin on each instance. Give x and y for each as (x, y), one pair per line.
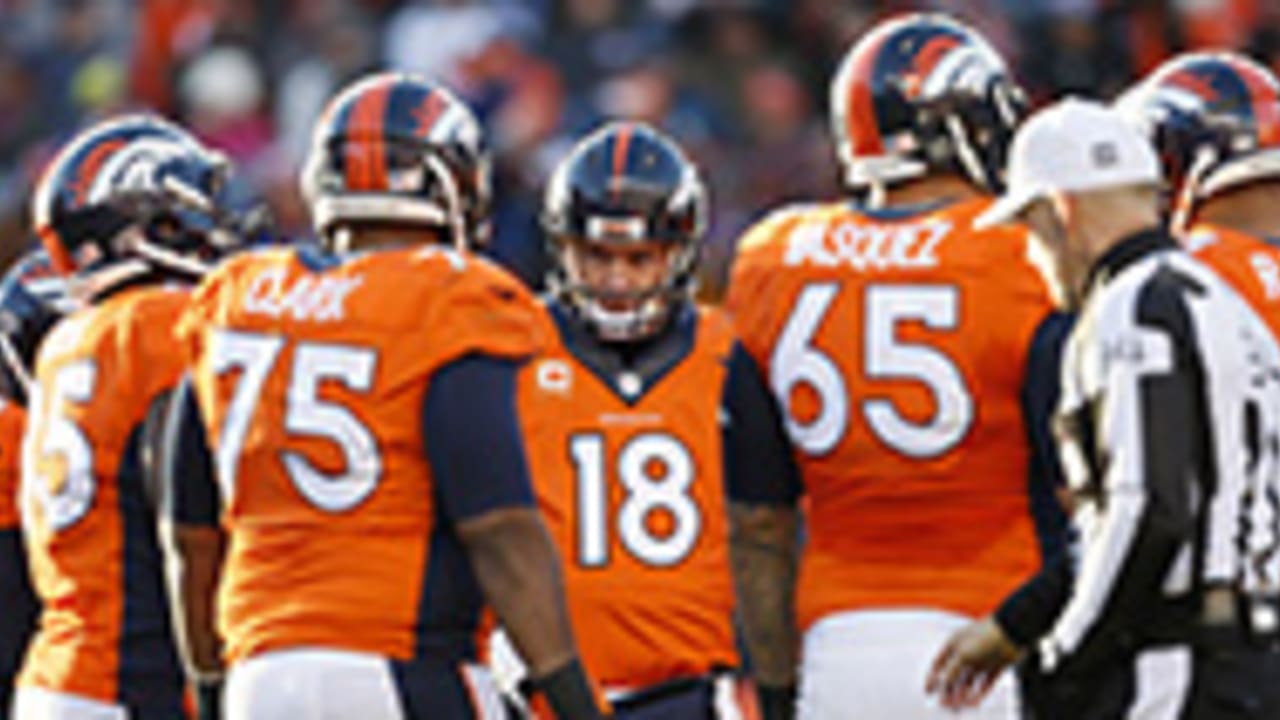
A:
(453, 200)
(625, 325)
(973, 165)
(333, 212)
(170, 260)
(13, 359)
(1184, 205)
(140, 257)
(84, 288)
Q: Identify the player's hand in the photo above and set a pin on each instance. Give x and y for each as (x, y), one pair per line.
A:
(969, 664)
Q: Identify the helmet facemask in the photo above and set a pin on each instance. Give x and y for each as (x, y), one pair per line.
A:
(131, 197)
(622, 315)
(184, 228)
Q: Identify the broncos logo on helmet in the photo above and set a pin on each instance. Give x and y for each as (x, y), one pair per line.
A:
(1215, 120)
(923, 94)
(394, 148)
(133, 171)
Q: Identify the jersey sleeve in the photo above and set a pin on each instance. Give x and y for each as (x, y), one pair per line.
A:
(198, 313)
(150, 357)
(1040, 391)
(473, 439)
(12, 418)
(750, 276)
(1028, 613)
(759, 465)
(483, 310)
(189, 327)
(188, 489)
(1022, 296)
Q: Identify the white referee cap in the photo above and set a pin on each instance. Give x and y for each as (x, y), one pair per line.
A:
(1072, 145)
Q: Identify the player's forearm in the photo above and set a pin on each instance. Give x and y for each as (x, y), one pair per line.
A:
(763, 548)
(1029, 612)
(519, 572)
(194, 569)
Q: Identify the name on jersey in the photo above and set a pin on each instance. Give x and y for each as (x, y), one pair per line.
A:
(307, 297)
(866, 246)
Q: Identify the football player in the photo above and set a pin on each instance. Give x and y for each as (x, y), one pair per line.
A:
(128, 212)
(357, 401)
(895, 336)
(1215, 120)
(26, 314)
(637, 418)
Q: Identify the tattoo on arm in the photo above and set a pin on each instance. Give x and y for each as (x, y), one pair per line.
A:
(763, 548)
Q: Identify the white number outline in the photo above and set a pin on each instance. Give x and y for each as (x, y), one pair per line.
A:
(796, 359)
(55, 433)
(307, 415)
(256, 354)
(937, 307)
(643, 496)
(591, 496)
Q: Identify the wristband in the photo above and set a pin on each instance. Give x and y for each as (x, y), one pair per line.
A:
(568, 692)
(777, 702)
(209, 699)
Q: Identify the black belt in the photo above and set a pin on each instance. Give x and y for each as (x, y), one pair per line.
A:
(659, 691)
(663, 690)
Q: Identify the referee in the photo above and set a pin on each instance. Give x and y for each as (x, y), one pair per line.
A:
(1168, 428)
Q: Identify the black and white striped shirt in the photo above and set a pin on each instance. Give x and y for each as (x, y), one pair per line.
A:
(1168, 428)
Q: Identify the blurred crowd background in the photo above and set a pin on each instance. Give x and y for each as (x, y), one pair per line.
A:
(742, 83)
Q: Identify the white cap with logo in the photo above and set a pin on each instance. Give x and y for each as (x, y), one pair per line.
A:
(1072, 145)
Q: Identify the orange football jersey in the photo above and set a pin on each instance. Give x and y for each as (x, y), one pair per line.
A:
(11, 419)
(104, 632)
(1250, 265)
(310, 373)
(896, 348)
(630, 480)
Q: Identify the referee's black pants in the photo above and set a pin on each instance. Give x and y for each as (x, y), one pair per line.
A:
(1226, 678)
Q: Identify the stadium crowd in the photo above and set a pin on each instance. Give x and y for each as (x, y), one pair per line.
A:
(742, 83)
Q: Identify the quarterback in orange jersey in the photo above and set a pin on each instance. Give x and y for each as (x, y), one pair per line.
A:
(895, 336)
(26, 314)
(128, 211)
(1215, 119)
(638, 419)
(358, 404)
